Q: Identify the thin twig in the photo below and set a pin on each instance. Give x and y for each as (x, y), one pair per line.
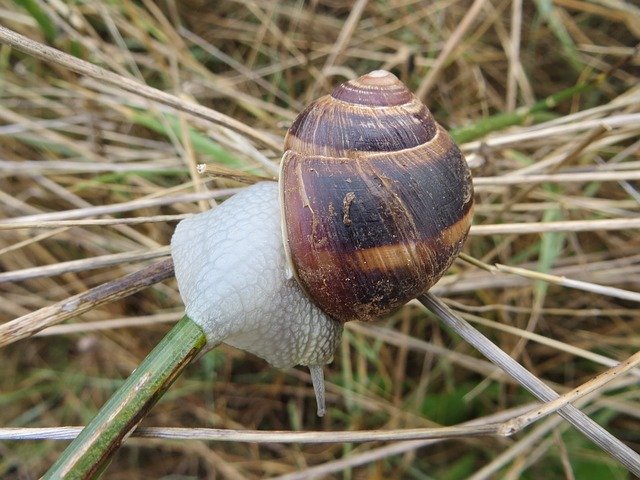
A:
(573, 177)
(505, 428)
(571, 283)
(518, 423)
(81, 265)
(257, 436)
(560, 226)
(583, 423)
(370, 456)
(33, 322)
(97, 221)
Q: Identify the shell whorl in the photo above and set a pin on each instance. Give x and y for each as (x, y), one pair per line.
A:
(377, 198)
(374, 113)
(375, 89)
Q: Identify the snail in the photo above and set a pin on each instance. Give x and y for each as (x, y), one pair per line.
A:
(373, 203)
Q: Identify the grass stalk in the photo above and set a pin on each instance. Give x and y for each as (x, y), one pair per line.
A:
(31, 323)
(88, 455)
(534, 385)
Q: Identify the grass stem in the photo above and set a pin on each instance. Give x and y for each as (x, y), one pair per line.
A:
(88, 455)
(539, 389)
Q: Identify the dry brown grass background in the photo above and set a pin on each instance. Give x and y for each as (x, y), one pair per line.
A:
(70, 146)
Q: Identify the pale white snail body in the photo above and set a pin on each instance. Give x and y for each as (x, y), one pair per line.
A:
(231, 270)
(377, 203)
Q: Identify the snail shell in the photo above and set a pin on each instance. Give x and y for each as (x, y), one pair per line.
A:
(377, 199)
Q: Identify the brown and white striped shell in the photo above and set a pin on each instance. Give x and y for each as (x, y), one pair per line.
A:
(376, 198)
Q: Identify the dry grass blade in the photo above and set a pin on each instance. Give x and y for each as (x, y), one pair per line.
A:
(380, 453)
(97, 163)
(98, 221)
(570, 283)
(588, 427)
(506, 428)
(31, 323)
(81, 265)
(210, 434)
(217, 171)
(567, 226)
(452, 42)
(128, 322)
(558, 177)
(119, 207)
(518, 423)
(39, 50)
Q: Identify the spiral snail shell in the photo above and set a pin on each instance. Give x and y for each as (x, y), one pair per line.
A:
(374, 203)
(377, 199)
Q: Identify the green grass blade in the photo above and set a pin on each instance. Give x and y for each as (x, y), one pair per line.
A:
(503, 120)
(201, 143)
(90, 452)
(552, 17)
(49, 30)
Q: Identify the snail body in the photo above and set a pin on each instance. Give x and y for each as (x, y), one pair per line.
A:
(374, 203)
(231, 271)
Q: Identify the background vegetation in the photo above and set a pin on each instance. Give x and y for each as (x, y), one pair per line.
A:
(70, 144)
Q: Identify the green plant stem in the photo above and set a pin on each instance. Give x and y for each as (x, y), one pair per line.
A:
(542, 107)
(88, 455)
(520, 116)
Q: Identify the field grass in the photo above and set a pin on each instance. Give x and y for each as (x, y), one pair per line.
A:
(544, 98)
